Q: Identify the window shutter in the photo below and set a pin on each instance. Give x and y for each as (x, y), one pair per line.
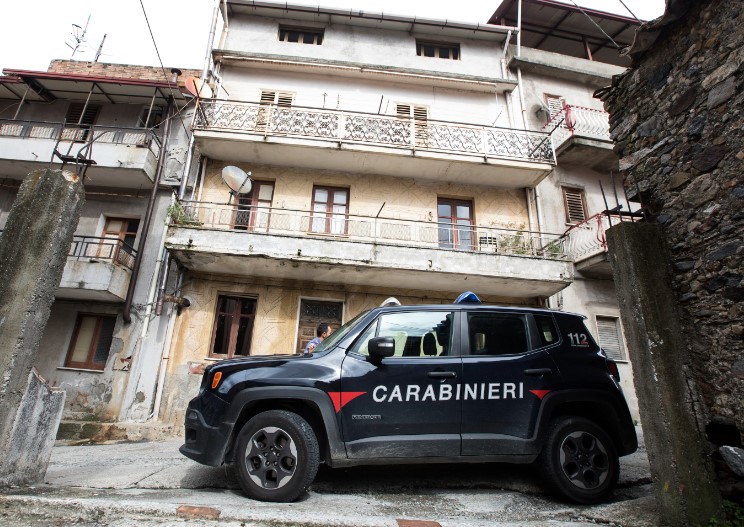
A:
(89, 116)
(574, 202)
(268, 97)
(555, 104)
(284, 99)
(403, 110)
(610, 339)
(421, 113)
(279, 98)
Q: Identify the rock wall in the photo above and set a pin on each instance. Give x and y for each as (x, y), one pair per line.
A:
(677, 119)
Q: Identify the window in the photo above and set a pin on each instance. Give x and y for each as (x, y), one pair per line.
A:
(439, 50)
(253, 210)
(268, 100)
(546, 330)
(312, 313)
(574, 202)
(233, 326)
(91, 342)
(455, 219)
(79, 120)
(150, 118)
(420, 117)
(497, 333)
(610, 337)
(119, 235)
(555, 105)
(416, 334)
(301, 35)
(330, 210)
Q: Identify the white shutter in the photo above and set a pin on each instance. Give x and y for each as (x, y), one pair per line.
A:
(608, 331)
(555, 104)
(420, 116)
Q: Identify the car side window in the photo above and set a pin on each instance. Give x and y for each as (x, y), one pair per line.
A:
(497, 333)
(416, 333)
(546, 330)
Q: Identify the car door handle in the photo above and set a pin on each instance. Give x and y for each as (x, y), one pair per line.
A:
(442, 374)
(538, 371)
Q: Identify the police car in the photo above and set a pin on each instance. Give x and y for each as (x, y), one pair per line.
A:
(464, 382)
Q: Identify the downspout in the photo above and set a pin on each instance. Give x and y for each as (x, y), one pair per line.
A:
(148, 214)
(519, 68)
(505, 74)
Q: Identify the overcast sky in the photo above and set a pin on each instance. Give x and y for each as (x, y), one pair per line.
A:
(34, 32)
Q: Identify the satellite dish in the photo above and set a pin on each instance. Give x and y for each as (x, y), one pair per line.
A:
(237, 179)
(197, 87)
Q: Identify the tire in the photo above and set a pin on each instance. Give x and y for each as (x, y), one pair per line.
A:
(579, 460)
(276, 456)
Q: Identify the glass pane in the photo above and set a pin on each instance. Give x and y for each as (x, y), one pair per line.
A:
(132, 226)
(445, 237)
(294, 36)
(497, 334)
(221, 335)
(363, 341)
(308, 38)
(455, 54)
(444, 209)
(114, 225)
(319, 224)
(444, 53)
(104, 341)
(321, 195)
(463, 211)
(339, 197)
(338, 224)
(265, 192)
(86, 332)
(418, 334)
(243, 343)
(429, 51)
(247, 306)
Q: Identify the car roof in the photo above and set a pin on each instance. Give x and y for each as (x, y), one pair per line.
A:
(472, 307)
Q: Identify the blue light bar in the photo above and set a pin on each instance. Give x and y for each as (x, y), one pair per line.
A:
(468, 297)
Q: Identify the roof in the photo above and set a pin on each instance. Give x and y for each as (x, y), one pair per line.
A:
(318, 14)
(50, 86)
(569, 30)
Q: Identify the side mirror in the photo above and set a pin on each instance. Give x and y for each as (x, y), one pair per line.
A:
(381, 347)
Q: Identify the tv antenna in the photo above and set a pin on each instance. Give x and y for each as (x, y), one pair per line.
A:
(77, 37)
(100, 47)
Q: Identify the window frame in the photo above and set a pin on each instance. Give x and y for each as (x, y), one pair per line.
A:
(252, 204)
(121, 235)
(454, 202)
(317, 33)
(567, 208)
(234, 327)
(452, 47)
(329, 214)
(89, 363)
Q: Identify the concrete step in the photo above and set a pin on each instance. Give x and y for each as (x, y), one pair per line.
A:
(82, 432)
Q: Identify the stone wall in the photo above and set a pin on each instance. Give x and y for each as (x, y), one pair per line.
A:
(677, 119)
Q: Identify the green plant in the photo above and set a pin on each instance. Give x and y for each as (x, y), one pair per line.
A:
(179, 216)
(733, 516)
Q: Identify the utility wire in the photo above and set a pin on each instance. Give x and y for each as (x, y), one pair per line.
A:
(590, 20)
(152, 36)
(631, 12)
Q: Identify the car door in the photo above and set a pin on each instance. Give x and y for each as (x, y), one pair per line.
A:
(506, 374)
(404, 405)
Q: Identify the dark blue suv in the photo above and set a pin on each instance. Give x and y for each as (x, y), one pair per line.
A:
(420, 384)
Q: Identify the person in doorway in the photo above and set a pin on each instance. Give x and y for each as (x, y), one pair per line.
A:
(322, 332)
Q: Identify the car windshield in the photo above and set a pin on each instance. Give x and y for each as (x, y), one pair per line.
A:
(339, 334)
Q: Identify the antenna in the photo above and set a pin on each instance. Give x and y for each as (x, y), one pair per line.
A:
(100, 47)
(78, 37)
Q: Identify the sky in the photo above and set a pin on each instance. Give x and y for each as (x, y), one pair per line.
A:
(36, 31)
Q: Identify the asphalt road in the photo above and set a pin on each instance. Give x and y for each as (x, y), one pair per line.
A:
(150, 483)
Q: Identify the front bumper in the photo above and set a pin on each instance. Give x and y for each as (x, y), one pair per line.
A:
(205, 444)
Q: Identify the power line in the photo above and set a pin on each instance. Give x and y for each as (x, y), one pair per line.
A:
(152, 36)
(631, 12)
(592, 21)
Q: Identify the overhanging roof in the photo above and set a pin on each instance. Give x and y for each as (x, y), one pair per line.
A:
(566, 29)
(50, 86)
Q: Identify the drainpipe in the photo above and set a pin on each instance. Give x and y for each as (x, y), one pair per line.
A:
(210, 41)
(148, 214)
(519, 68)
(528, 195)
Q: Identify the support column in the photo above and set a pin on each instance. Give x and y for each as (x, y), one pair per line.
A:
(33, 252)
(657, 344)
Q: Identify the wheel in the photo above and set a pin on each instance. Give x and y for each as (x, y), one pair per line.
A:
(579, 460)
(276, 456)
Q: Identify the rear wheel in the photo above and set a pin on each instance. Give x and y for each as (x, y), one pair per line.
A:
(579, 459)
(276, 456)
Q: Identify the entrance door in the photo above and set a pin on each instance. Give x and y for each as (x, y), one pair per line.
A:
(405, 406)
(455, 219)
(312, 313)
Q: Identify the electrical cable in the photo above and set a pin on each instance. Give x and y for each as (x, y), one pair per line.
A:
(631, 12)
(592, 21)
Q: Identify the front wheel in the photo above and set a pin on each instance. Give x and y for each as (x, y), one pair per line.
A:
(276, 456)
(579, 459)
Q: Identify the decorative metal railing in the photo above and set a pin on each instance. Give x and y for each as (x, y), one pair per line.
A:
(410, 233)
(342, 126)
(92, 249)
(66, 133)
(587, 238)
(578, 121)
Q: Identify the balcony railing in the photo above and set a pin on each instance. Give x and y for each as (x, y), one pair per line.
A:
(340, 126)
(118, 135)
(409, 233)
(578, 121)
(588, 238)
(95, 249)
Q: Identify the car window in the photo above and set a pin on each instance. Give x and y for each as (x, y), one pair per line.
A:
(339, 334)
(416, 333)
(546, 330)
(497, 333)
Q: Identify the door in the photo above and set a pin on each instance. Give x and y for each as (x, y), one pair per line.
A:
(404, 406)
(507, 372)
(312, 313)
(455, 218)
(119, 236)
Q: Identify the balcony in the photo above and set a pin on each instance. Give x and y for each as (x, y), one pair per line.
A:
(124, 157)
(367, 251)
(586, 242)
(582, 137)
(364, 143)
(97, 269)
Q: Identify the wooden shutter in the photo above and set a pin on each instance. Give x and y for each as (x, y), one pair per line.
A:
(573, 200)
(420, 116)
(75, 114)
(608, 331)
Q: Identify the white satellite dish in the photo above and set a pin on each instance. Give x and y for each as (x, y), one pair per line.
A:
(237, 180)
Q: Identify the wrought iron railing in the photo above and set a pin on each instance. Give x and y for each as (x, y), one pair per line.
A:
(578, 121)
(66, 132)
(588, 238)
(410, 233)
(341, 126)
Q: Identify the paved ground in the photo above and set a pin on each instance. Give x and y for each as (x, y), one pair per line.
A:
(150, 483)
